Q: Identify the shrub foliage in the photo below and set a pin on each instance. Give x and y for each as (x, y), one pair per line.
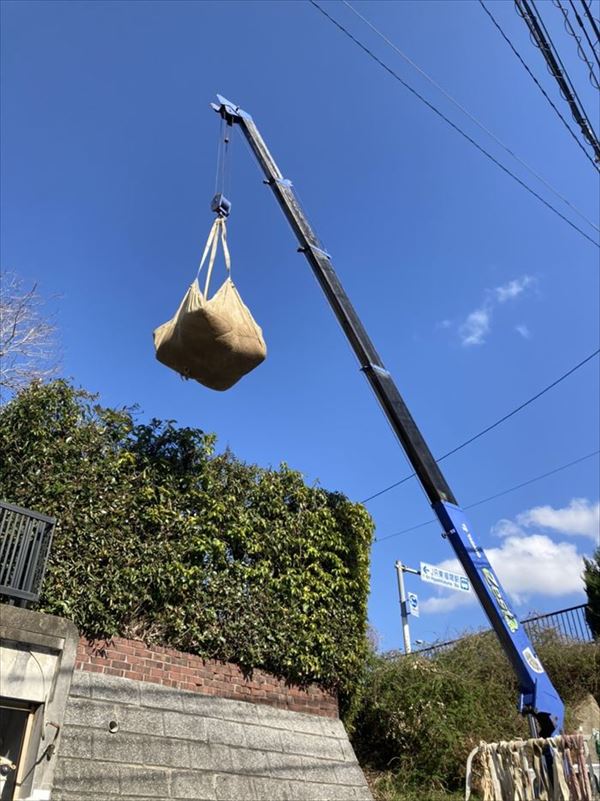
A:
(161, 539)
(591, 577)
(419, 718)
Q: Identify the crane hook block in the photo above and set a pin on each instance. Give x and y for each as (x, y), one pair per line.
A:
(220, 205)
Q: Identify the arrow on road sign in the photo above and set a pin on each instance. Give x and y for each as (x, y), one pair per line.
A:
(444, 578)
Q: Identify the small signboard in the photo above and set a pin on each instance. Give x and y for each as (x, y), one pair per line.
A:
(413, 604)
(444, 578)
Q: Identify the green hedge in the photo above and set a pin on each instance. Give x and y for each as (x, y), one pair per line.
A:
(161, 539)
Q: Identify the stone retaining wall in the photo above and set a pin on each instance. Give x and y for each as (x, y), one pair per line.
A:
(138, 740)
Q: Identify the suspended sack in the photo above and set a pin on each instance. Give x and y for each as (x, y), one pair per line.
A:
(212, 340)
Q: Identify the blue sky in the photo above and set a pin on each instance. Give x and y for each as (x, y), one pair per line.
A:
(475, 294)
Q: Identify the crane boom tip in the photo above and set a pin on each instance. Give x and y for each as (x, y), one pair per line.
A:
(229, 111)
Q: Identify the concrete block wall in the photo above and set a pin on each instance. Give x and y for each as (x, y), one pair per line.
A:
(136, 740)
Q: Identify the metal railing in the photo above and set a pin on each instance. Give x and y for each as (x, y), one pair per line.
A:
(25, 539)
(568, 624)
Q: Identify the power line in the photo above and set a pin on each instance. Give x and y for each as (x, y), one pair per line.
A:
(589, 15)
(468, 113)
(552, 48)
(459, 130)
(557, 56)
(493, 425)
(580, 51)
(581, 24)
(543, 42)
(493, 497)
(539, 85)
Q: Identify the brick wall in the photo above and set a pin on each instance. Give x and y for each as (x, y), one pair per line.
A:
(133, 659)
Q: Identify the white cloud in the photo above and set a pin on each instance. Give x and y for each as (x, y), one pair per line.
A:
(513, 288)
(476, 327)
(536, 565)
(506, 528)
(581, 517)
(523, 330)
(446, 603)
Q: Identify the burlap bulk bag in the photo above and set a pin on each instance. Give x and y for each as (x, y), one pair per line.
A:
(212, 340)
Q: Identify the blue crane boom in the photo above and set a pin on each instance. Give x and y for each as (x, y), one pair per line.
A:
(538, 698)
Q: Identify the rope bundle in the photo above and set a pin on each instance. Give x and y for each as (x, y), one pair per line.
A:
(553, 769)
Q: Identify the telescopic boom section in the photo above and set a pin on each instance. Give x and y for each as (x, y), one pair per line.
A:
(538, 696)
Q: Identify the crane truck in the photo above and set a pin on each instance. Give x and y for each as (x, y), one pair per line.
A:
(538, 699)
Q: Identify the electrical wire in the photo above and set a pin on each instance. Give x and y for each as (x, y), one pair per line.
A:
(542, 40)
(539, 85)
(493, 425)
(580, 51)
(593, 23)
(571, 31)
(581, 23)
(465, 111)
(453, 125)
(505, 169)
(559, 60)
(493, 497)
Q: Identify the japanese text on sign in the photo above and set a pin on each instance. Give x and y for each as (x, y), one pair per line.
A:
(444, 578)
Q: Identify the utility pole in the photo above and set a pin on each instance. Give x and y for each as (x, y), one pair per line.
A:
(401, 569)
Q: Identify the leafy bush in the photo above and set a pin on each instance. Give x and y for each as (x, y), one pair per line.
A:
(591, 577)
(419, 718)
(159, 538)
(574, 668)
(390, 786)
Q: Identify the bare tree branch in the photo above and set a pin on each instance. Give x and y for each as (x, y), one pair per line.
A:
(28, 346)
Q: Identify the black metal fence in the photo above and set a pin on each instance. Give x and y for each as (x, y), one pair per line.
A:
(569, 624)
(25, 539)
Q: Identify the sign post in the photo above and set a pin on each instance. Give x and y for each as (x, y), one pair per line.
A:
(403, 609)
(408, 605)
